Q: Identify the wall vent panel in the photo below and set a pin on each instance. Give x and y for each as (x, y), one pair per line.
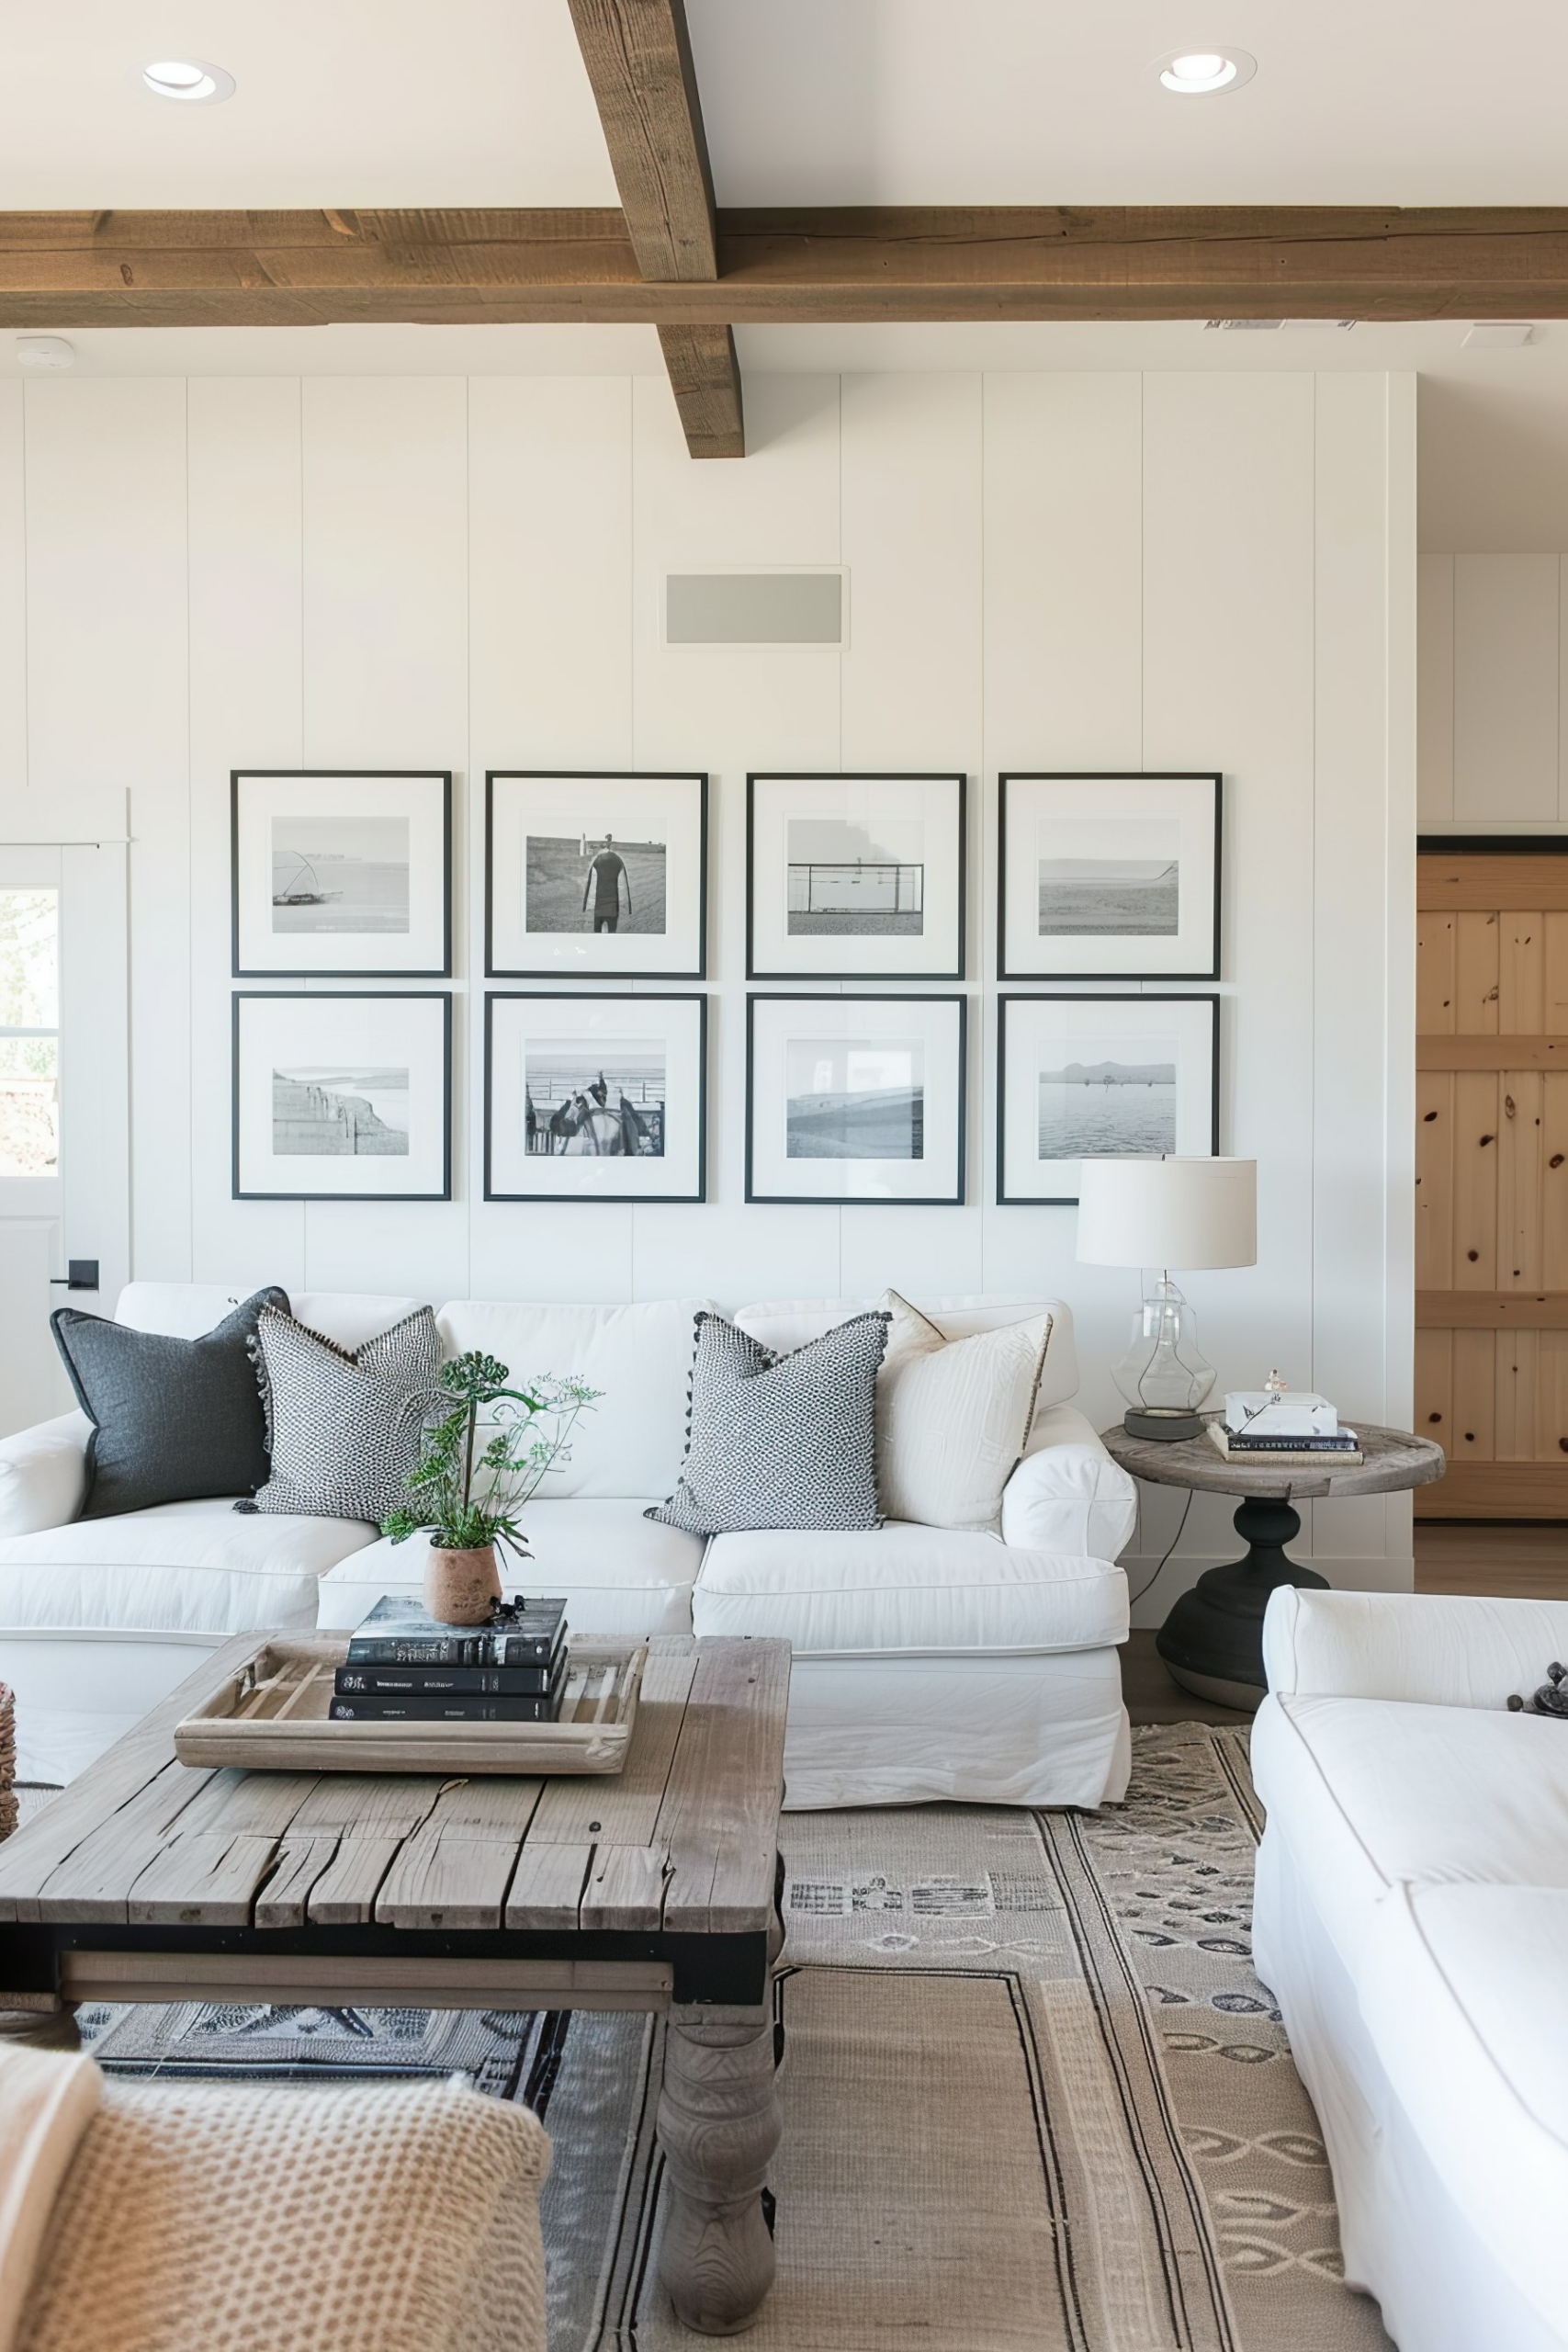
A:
(755, 608)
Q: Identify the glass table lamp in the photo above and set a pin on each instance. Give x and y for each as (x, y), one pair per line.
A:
(1156, 1213)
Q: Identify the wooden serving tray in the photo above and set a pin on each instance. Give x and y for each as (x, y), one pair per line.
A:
(271, 1716)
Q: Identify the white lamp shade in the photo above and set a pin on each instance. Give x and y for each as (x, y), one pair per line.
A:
(1168, 1213)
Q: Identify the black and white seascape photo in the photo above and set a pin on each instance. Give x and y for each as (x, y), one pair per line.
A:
(1108, 878)
(1102, 1076)
(596, 876)
(855, 1098)
(599, 1098)
(855, 877)
(342, 872)
(340, 1097)
(594, 1097)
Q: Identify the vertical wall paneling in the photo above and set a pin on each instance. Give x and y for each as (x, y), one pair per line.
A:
(246, 683)
(912, 697)
(728, 708)
(551, 680)
(13, 591)
(1064, 629)
(386, 678)
(1506, 640)
(1435, 715)
(107, 703)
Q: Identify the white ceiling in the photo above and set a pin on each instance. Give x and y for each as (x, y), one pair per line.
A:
(485, 102)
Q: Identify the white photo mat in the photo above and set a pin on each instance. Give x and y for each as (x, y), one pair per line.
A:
(341, 1097)
(364, 859)
(880, 839)
(807, 1060)
(1109, 877)
(650, 1050)
(1092, 1072)
(536, 924)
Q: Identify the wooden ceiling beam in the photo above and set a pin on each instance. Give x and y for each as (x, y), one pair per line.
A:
(781, 268)
(638, 55)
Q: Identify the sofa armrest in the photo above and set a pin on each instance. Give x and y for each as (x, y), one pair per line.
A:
(43, 1474)
(1445, 1650)
(1068, 1495)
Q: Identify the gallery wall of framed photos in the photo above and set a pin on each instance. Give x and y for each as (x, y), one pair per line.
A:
(853, 1096)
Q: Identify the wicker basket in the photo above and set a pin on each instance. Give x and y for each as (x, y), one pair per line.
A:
(8, 1760)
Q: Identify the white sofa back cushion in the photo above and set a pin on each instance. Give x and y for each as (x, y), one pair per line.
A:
(633, 1441)
(786, 1323)
(184, 1310)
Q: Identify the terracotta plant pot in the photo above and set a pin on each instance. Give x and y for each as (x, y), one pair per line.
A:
(460, 1586)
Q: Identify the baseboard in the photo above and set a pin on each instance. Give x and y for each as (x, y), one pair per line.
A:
(1497, 1490)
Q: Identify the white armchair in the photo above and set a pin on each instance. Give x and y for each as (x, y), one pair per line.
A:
(43, 1474)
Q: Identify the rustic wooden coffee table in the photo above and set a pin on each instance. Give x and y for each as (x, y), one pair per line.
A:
(148, 1880)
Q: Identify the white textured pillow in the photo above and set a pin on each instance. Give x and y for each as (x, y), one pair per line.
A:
(952, 1415)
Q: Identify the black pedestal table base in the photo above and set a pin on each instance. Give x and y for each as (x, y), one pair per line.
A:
(1212, 1639)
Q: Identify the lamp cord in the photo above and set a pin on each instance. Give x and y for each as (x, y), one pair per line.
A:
(1182, 1525)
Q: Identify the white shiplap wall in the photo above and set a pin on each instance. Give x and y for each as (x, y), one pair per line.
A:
(1112, 570)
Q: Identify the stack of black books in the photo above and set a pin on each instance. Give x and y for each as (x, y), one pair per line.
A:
(406, 1667)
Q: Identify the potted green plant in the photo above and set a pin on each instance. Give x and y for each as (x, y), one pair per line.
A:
(484, 1452)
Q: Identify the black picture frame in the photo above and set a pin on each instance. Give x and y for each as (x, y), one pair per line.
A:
(1097, 996)
(958, 1197)
(599, 997)
(440, 776)
(327, 996)
(699, 777)
(1214, 777)
(861, 775)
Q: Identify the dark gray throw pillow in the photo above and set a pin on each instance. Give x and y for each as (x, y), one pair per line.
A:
(173, 1419)
(778, 1441)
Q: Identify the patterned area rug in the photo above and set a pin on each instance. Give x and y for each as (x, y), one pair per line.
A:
(1035, 2099)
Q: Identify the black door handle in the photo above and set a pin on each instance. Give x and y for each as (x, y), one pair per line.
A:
(81, 1273)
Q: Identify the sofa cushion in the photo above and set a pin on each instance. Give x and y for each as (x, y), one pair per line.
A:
(638, 1357)
(184, 1310)
(1466, 1997)
(953, 1416)
(904, 1587)
(173, 1419)
(345, 1427)
(779, 1440)
(1369, 1793)
(618, 1572)
(196, 1568)
(789, 1322)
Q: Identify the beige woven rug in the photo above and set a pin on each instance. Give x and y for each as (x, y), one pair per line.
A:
(1035, 2099)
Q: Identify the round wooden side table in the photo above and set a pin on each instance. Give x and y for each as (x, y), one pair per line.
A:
(1212, 1639)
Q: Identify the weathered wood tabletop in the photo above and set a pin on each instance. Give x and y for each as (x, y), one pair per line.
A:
(1393, 1459)
(148, 1880)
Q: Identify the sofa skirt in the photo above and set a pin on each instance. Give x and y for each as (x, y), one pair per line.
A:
(998, 1727)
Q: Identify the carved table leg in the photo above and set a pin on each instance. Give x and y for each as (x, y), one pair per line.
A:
(719, 2124)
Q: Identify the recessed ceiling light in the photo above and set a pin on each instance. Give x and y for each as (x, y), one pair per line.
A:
(1202, 72)
(45, 351)
(189, 81)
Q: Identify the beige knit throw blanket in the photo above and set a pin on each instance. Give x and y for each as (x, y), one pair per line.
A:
(46, 2100)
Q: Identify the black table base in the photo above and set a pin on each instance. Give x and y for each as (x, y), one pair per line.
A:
(1212, 1639)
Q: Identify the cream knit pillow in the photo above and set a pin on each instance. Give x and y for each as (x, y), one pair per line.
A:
(952, 1415)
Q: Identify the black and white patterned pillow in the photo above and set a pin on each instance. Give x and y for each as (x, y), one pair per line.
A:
(778, 1441)
(343, 1430)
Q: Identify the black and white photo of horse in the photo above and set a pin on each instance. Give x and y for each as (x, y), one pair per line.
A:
(600, 1100)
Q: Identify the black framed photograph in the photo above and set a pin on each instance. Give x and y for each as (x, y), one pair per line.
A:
(855, 1098)
(595, 876)
(1108, 878)
(340, 1097)
(341, 872)
(1102, 1076)
(854, 878)
(595, 1097)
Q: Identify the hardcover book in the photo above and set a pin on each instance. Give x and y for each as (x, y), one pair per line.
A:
(429, 1681)
(399, 1631)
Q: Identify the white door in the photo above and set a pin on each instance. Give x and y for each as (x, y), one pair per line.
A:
(63, 1157)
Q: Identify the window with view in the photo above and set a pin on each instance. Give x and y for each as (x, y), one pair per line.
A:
(30, 1033)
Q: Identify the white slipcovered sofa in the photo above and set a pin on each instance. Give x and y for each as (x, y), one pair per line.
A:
(1412, 1920)
(929, 1664)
